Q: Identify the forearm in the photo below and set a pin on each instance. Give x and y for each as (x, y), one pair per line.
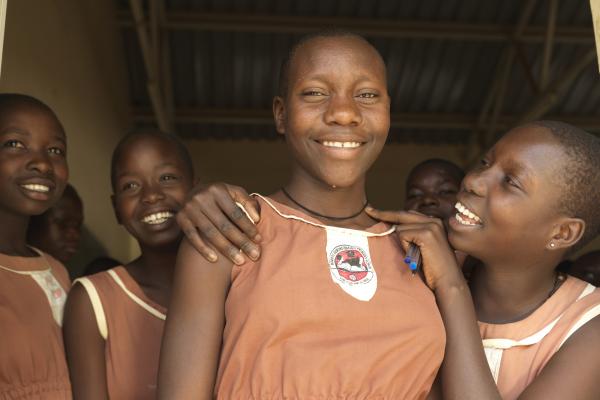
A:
(465, 372)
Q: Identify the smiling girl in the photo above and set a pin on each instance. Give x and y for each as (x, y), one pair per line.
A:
(33, 285)
(317, 316)
(114, 320)
(533, 199)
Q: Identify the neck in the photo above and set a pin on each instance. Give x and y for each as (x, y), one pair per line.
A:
(153, 271)
(503, 295)
(329, 201)
(13, 234)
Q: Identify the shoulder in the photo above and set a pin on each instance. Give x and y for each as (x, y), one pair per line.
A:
(84, 309)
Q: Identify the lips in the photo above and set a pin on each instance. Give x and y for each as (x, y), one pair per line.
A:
(466, 216)
(341, 144)
(37, 189)
(158, 217)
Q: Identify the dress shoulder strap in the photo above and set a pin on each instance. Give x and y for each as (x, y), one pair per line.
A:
(89, 287)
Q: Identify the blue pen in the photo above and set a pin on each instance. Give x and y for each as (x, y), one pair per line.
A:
(413, 258)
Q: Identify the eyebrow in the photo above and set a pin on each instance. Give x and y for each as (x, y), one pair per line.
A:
(326, 78)
(14, 129)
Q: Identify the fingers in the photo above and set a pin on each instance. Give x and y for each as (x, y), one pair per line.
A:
(250, 204)
(209, 219)
(245, 219)
(191, 233)
(215, 228)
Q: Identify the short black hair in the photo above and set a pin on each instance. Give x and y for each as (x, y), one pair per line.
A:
(580, 178)
(457, 172)
(182, 150)
(284, 69)
(12, 101)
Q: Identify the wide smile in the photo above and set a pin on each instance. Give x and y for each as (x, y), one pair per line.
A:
(465, 216)
(34, 187)
(158, 218)
(341, 144)
(40, 191)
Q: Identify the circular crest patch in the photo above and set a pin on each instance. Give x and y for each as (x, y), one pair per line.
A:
(351, 263)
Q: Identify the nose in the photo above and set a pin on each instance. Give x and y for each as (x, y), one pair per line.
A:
(475, 183)
(40, 162)
(343, 110)
(152, 194)
(429, 200)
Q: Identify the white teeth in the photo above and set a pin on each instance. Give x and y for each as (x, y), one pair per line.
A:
(158, 218)
(344, 145)
(467, 213)
(36, 188)
(463, 221)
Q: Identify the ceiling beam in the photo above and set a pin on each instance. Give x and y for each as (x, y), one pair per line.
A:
(557, 89)
(434, 121)
(230, 22)
(147, 30)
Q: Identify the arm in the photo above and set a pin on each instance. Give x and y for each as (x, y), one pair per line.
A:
(465, 373)
(213, 223)
(84, 347)
(194, 328)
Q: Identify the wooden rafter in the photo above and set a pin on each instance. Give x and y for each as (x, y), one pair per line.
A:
(149, 45)
(413, 120)
(557, 88)
(374, 27)
(549, 43)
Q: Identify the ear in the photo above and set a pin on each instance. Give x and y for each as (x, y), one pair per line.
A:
(566, 233)
(279, 114)
(114, 204)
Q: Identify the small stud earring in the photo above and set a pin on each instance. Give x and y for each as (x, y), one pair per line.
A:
(552, 244)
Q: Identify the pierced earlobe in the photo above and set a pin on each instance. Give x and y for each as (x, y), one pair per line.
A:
(552, 245)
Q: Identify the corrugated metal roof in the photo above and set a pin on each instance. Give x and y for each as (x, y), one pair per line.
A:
(216, 69)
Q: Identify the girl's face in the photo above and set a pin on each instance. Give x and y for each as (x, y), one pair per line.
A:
(33, 163)
(151, 182)
(506, 208)
(59, 232)
(336, 115)
(431, 190)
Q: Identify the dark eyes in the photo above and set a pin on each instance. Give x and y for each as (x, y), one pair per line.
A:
(14, 144)
(447, 191)
(510, 181)
(318, 93)
(129, 186)
(313, 93)
(57, 151)
(168, 177)
(368, 95)
(17, 144)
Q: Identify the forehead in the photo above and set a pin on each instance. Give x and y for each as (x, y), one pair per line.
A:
(148, 151)
(30, 117)
(67, 207)
(535, 156)
(433, 173)
(531, 146)
(343, 55)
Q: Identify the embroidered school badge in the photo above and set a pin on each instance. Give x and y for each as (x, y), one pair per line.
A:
(350, 264)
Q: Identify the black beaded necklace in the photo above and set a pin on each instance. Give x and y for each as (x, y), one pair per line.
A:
(321, 215)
